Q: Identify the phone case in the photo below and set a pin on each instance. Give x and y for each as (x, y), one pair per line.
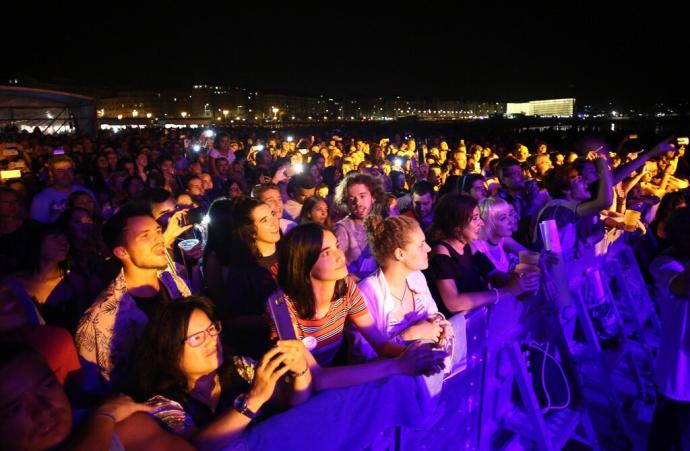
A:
(281, 316)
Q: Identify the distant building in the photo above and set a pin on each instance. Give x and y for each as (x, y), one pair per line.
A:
(544, 108)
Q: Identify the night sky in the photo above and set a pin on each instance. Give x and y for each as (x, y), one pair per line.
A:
(625, 53)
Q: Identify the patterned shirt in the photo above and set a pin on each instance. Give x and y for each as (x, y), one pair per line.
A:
(109, 330)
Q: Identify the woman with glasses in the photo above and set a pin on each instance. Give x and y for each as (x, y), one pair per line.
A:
(199, 391)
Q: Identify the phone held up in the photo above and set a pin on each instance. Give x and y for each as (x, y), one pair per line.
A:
(281, 316)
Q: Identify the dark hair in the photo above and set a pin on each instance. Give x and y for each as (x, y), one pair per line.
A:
(309, 204)
(373, 184)
(669, 203)
(259, 190)
(220, 224)
(129, 180)
(297, 256)
(504, 164)
(242, 231)
(114, 228)
(35, 246)
(155, 196)
(422, 187)
(453, 210)
(557, 180)
(300, 182)
(156, 368)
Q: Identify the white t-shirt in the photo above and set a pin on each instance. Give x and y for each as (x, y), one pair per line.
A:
(673, 360)
(49, 204)
(385, 310)
(215, 153)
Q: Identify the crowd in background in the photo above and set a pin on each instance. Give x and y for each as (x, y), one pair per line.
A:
(136, 267)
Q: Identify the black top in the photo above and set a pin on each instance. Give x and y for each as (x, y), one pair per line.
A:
(231, 386)
(468, 271)
(149, 305)
(248, 287)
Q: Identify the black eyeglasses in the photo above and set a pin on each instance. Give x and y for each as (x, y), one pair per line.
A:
(197, 339)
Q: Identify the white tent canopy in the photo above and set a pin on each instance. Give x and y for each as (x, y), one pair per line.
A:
(47, 109)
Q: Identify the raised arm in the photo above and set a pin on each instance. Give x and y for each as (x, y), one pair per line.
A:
(605, 191)
(623, 171)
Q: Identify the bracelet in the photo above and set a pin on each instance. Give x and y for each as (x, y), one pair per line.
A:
(293, 374)
(105, 414)
(498, 296)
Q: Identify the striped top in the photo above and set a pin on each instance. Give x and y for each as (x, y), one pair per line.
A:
(328, 330)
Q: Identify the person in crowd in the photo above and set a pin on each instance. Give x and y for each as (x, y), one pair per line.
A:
(470, 184)
(495, 240)
(240, 264)
(270, 194)
(300, 187)
(671, 273)
(37, 414)
(360, 194)
(459, 279)
(397, 295)
(222, 148)
(423, 197)
(51, 202)
(57, 294)
(573, 209)
(315, 209)
(89, 256)
(321, 308)
(82, 199)
(16, 232)
(235, 188)
(201, 391)
(524, 195)
(112, 325)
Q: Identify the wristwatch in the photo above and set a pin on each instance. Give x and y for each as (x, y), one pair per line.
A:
(240, 405)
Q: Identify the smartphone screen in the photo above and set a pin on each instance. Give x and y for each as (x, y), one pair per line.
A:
(12, 174)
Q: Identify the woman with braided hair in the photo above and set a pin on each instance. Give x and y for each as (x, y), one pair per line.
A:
(397, 295)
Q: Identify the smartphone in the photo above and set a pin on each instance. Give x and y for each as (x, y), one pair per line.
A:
(10, 153)
(59, 151)
(281, 316)
(12, 174)
(683, 141)
(633, 136)
(195, 215)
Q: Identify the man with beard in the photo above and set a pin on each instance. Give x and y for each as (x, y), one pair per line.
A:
(109, 329)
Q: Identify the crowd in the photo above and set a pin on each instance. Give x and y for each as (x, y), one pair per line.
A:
(136, 268)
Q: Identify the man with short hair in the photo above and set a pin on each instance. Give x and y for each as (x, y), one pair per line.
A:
(49, 204)
(270, 195)
(422, 203)
(299, 188)
(523, 194)
(108, 331)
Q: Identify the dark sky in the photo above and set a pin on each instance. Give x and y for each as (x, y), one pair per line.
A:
(623, 53)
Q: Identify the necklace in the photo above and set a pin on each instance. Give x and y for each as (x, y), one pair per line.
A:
(401, 299)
